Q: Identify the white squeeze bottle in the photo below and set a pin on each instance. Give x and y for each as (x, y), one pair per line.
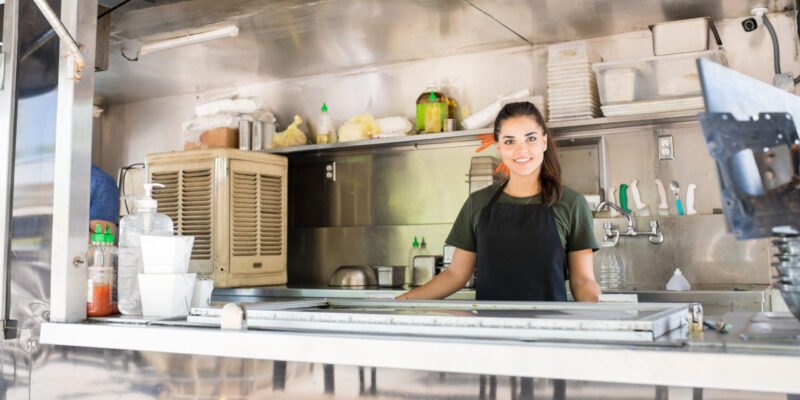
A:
(144, 221)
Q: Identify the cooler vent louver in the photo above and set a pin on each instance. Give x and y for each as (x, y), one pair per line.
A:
(257, 211)
(186, 199)
(196, 210)
(271, 215)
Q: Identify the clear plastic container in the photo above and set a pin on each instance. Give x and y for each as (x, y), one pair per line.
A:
(652, 78)
(145, 221)
(612, 269)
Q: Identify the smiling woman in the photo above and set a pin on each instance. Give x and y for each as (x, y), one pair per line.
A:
(527, 235)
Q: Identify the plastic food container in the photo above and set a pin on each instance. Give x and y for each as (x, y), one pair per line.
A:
(390, 276)
(652, 78)
(166, 295)
(166, 254)
(479, 182)
(689, 35)
(571, 53)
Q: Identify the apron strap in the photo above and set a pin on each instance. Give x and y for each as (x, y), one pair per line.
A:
(496, 195)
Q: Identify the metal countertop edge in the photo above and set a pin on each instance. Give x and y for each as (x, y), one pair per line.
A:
(688, 367)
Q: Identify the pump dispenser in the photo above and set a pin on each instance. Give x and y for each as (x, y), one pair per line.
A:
(678, 281)
(415, 251)
(145, 221)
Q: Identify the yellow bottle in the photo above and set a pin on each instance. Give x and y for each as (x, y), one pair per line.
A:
(433, 114)
(424, 101)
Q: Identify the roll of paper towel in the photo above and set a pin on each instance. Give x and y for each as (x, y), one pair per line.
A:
(486, 115)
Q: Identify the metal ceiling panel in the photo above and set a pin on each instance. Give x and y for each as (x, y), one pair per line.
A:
(285, 39)
(289, 38)
(551, 21)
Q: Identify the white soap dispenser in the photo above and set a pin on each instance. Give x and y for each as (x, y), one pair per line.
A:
(678, 281)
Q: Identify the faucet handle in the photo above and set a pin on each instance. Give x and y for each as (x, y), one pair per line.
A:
(654, 224)
(607, 225)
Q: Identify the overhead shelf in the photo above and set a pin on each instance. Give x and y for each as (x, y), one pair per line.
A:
(558, 128)
(595, 124)
(400, 141)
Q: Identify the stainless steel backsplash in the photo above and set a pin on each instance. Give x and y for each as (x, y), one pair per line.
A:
(382, 198)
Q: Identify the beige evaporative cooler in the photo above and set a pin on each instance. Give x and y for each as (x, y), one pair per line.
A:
(234, 203)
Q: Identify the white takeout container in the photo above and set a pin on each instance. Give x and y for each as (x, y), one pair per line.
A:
(166, 254)
(166, 295)
(683, 36)
(202, 292)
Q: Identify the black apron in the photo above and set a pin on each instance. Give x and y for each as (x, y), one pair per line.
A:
(520, 256)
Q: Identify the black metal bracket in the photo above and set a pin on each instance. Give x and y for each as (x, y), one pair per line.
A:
(759, 172)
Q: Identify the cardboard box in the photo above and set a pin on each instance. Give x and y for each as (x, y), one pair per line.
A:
(215, 139)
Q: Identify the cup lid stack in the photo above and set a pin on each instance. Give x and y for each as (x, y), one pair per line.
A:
(571, 83)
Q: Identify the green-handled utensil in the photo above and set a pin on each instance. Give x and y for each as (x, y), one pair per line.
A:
(623, 197)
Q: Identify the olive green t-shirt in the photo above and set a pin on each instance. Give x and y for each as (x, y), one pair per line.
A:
(572, 215)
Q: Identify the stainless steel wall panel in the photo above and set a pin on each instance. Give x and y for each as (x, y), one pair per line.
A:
(632, 153)
(381, 188)
(315, 253)
(699, 245)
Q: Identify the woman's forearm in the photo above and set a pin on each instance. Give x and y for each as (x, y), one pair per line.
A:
(585, 290)
(441, 286)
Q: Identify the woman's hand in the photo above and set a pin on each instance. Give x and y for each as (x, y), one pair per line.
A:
(449, 281)
(582, 283)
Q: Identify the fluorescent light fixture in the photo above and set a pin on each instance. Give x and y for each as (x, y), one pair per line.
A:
(228, 31)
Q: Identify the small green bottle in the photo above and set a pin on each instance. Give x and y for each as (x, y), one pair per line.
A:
(415, 251)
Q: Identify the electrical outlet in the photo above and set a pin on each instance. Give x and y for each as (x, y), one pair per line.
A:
(330, 171)
(666, 151)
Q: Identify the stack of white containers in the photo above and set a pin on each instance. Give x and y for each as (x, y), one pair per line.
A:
(166, 286)
(571, 84)
(482, 172)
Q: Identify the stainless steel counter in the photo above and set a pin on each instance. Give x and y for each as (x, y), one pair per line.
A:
(711, 360)
(716, 299)
(258, 294)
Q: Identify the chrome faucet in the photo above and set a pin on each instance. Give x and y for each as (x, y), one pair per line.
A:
(612, 233)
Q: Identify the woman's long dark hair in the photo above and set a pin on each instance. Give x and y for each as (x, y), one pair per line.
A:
(550, 176)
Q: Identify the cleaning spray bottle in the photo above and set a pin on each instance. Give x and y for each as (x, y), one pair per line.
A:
(145, 221)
